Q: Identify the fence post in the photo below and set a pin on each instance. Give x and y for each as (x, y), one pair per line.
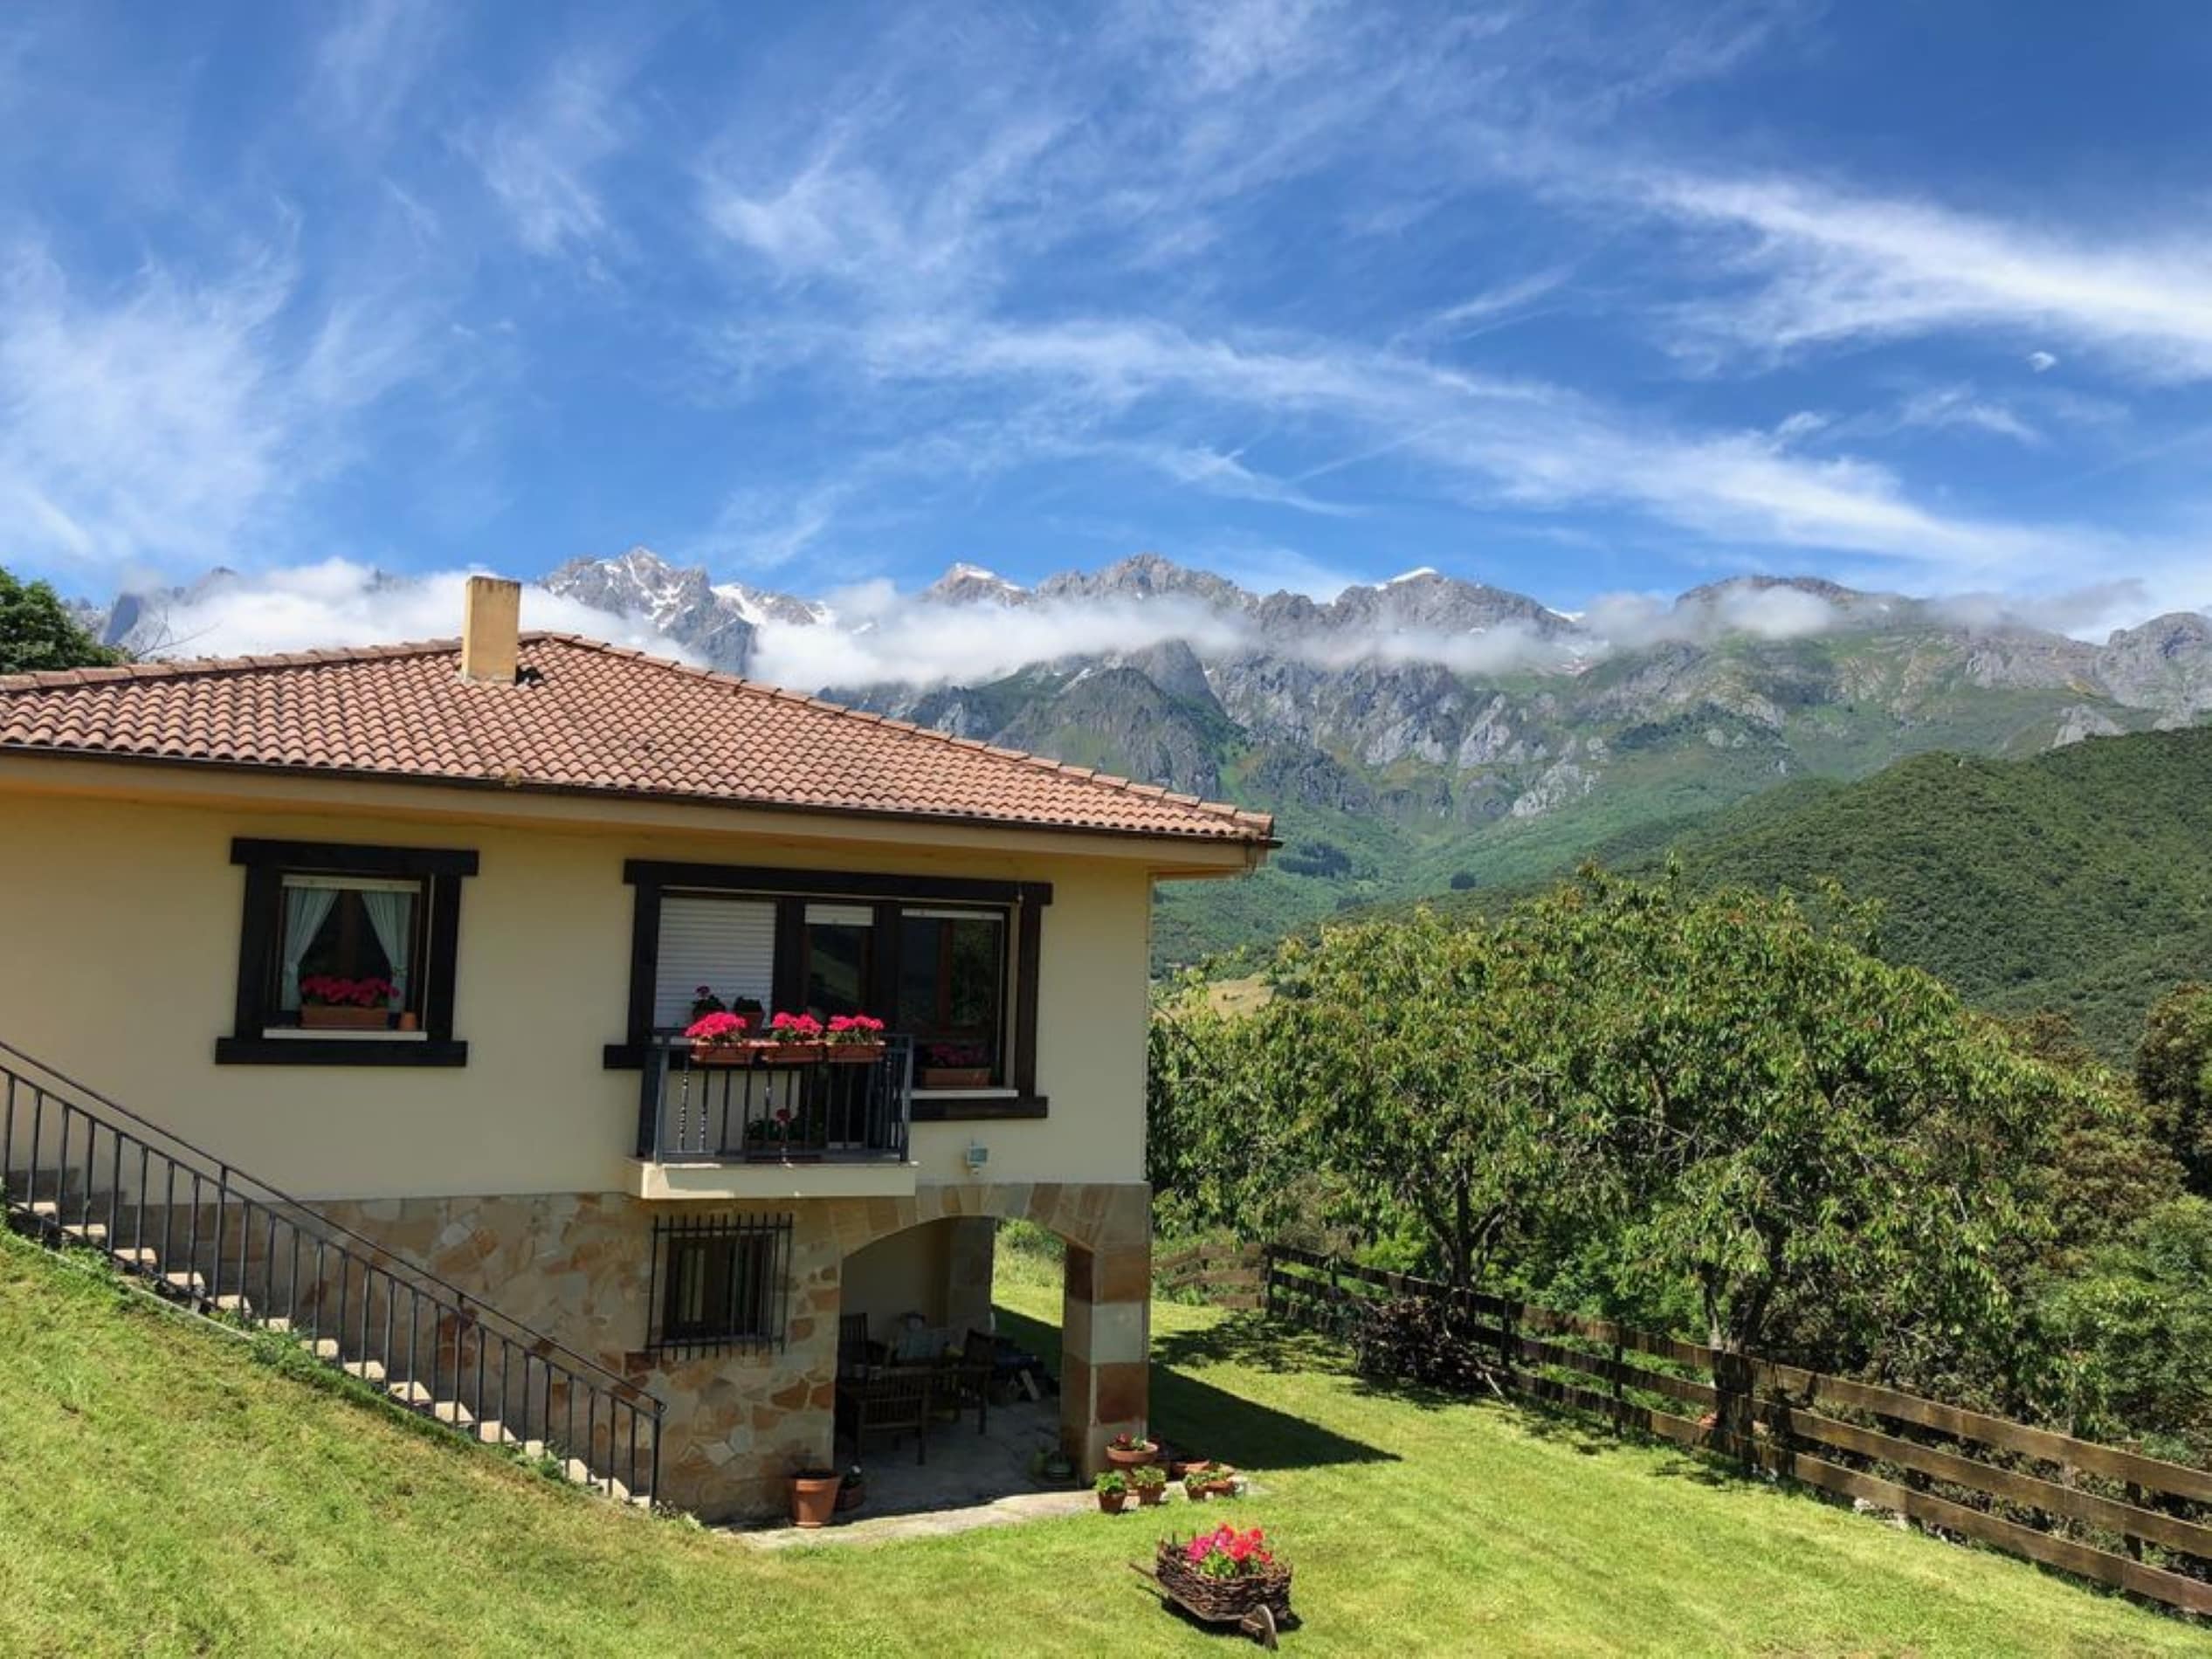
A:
(1267, 1281)
(1620, 1401)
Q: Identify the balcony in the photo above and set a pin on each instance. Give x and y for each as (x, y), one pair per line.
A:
(833, 1126)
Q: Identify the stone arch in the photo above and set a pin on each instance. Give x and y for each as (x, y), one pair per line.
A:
(1106, 1292)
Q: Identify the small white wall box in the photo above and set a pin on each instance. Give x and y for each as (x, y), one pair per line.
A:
(978, 1156)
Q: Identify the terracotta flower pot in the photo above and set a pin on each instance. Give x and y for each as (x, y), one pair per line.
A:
(1132, 1457)
(1113, 1502)
(814, 1499)
(1149, 1495)
(853, 1053)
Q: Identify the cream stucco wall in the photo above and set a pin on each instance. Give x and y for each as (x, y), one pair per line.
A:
(121, 920)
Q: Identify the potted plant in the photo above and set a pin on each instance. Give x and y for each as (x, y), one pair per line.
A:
(704, 1003)
(1127, 1451)
(852, 1491)
(791, 1039)
(814, 1495)
(718, 1039)
(330, 1003)
(1149, 1482)
(1113, 1488)
(1197, 1486)
(1221, 1480)
(854, 1039)
(955, 1065)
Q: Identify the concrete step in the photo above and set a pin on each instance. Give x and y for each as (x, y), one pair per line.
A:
(185, 1283)
(92, 1232)
(492, 1432)
(137, 1258)
(453, 1411)
(321, 1347)
(278, 1324)
(228, 1303)
(408, 1394)
(367, 1370)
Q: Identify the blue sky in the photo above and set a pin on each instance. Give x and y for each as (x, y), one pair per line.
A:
(1571, 299)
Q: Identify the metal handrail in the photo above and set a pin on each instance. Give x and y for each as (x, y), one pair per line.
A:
(291, 1277)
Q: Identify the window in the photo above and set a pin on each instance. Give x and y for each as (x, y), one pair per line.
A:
(951, 962)
(718, 1283)
(952, 980)
(347, 954)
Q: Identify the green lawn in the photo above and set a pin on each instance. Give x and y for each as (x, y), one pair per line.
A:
(162, 1491)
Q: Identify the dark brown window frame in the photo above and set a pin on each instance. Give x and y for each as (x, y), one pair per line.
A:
(266, 862)
(650, 878)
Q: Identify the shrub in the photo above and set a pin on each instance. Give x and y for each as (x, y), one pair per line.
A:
(1414, 1338)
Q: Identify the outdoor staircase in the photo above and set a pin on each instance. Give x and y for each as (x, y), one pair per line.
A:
(78, 1172)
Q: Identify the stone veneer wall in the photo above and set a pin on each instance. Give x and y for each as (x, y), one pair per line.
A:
(577, 1267)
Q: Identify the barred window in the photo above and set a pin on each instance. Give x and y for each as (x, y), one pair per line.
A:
(718, 1283)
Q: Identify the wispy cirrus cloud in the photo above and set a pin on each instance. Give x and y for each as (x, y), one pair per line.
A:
(540, 158)
(1827, 265)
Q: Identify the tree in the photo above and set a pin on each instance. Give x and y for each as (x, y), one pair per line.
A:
(1420, 1066)
(2174, 1074)
(1809, 1135)
(37, 634)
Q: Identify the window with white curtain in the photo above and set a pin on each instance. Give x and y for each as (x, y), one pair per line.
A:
(352, 945)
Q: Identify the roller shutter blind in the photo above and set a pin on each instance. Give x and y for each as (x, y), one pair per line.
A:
(728, 944)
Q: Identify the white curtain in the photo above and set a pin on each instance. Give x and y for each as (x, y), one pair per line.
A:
(306, 909)
(391, 914)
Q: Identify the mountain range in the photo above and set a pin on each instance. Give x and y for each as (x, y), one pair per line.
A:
(1413, 735)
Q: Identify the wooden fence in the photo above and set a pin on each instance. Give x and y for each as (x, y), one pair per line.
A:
(2115, 1517)
(1230, 1275)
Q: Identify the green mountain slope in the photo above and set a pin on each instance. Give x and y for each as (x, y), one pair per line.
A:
(2078, 880)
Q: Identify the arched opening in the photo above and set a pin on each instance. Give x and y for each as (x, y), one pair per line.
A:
(942, 1402)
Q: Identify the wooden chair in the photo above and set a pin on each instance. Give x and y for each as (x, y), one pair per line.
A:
(856, 1353)
(973, 1374)
(890, 1400)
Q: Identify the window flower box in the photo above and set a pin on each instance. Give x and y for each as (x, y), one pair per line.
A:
(328, 1002)
(325, 1017)
(854, 1039)
(791, 1039)
(718, 1038)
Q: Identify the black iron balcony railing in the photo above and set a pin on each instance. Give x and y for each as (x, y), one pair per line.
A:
(697, 1108)
(77, 1169)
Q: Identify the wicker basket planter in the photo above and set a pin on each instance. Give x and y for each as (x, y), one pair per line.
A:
(1222, 1599)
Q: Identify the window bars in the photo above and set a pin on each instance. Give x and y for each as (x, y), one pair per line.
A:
(718, 1283)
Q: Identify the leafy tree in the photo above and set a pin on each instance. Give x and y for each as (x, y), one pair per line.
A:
(2130, 1338)
(2173, 1072)
(1809, 1135)
(37, 634)
(1423, 1067)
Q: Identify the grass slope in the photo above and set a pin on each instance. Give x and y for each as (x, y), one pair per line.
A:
(165, 1492)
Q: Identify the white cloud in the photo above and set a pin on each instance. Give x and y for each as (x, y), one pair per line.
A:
(1831, 265)
(337, 602)
(540, 159)
(371, 62)
(2041, 362)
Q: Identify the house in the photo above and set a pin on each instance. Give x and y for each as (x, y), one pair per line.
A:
(405, 931)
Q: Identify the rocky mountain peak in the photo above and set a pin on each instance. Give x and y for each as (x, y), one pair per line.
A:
(967, 584)
(1145, 575)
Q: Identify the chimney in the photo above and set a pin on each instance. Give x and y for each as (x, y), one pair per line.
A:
(490, 627)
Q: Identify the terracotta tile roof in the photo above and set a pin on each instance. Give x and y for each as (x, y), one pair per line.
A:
(585, 716)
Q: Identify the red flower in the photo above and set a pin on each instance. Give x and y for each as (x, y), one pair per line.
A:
(800, 1027)
(716, 1028)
